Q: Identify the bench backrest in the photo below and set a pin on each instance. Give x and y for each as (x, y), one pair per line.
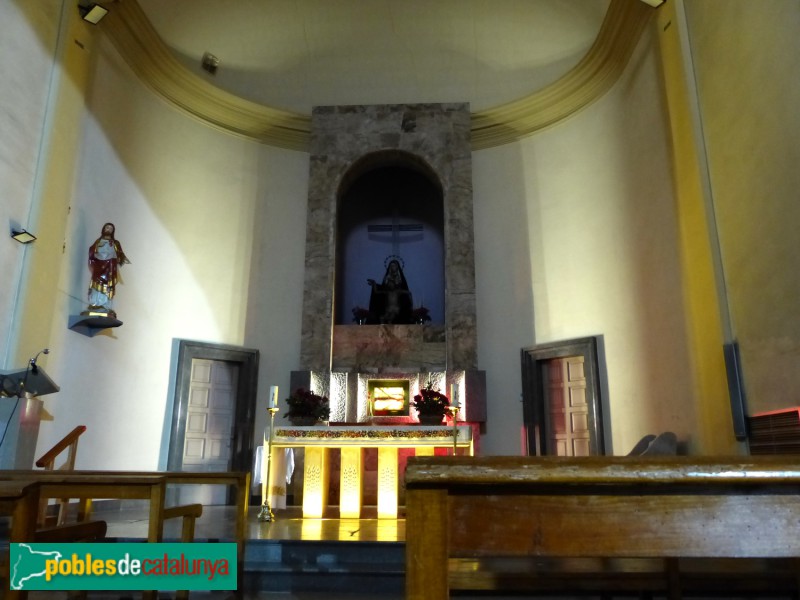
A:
(598, 507)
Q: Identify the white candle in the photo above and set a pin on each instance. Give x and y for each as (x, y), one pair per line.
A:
(454, 395)
(273, 396)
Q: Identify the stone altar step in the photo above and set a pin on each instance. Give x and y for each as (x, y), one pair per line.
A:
(341, 567)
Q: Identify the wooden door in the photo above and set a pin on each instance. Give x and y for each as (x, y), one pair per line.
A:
(577, 375)
(209, 422)
(566, 407)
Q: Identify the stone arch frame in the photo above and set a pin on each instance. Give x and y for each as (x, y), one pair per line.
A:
(439, 136)
(385, 158)
(374, 161)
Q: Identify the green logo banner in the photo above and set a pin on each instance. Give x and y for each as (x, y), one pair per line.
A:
(123, 566)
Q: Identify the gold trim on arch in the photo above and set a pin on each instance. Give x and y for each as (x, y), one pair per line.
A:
(150, 58)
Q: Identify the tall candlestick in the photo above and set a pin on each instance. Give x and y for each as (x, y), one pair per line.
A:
(266, 513)
(454, 413)
(264, 469)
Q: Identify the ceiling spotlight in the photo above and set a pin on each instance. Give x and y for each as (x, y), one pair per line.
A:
(22, 236)
(92, 13)
(210, 63)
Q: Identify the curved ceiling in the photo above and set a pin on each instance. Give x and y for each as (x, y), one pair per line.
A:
(521, 64)
(296, 54)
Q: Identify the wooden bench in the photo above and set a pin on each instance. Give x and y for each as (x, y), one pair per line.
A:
(19, 500)
(567, 525)
(238, 482)
(143, 485)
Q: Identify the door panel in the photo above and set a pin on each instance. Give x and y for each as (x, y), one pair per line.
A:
(567, 409)
(209, 425)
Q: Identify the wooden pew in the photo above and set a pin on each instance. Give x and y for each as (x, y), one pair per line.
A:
(19, 500)
(239, 482)
(146, 485)
(614, 513)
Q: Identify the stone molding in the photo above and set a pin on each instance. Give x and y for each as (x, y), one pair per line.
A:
(343, 138)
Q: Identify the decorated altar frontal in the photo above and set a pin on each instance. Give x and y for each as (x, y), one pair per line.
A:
(351, 440)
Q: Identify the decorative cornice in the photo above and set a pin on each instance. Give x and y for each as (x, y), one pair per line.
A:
(153, 62)
(150, 58)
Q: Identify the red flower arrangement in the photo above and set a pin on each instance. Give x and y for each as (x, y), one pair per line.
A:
(305, 403)
(430, 401)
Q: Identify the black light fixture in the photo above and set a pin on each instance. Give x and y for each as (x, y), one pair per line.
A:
(92, 12)
(22, 236)
(210, 63)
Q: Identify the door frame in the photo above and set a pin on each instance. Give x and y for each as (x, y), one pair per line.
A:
(534, 395)
(242, 449)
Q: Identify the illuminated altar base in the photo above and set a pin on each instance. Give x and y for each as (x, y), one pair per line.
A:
(352, 440)
(352, 476)
(316, 476)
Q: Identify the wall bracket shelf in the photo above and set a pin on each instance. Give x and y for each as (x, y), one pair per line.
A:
(92, 325)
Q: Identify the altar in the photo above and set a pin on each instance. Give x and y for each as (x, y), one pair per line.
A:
(352, 440)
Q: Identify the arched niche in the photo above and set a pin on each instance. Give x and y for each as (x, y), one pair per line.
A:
(390, 206)
(346, 143)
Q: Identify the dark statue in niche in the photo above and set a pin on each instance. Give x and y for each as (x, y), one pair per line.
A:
(391, 301)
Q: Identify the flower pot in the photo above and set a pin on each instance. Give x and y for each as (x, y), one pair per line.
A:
(303, 421)
(430, 420)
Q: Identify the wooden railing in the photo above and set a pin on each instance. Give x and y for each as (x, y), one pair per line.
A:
(718, 525)
(68, 442)
(47, 462)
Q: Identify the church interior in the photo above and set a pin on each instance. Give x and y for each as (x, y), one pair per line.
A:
(566, 217)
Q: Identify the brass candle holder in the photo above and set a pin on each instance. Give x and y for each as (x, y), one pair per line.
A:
(266, 515)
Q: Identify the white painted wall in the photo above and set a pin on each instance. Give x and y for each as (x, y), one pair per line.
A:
(581, 219)
(183, 198)
(274, 307)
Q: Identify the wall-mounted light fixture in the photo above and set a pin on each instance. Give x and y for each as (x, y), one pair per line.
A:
(210, 63)
(92, 12)
(22, 236)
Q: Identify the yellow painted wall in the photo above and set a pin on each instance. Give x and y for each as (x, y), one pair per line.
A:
(746, 58)
(704, 324)
(36, 310)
